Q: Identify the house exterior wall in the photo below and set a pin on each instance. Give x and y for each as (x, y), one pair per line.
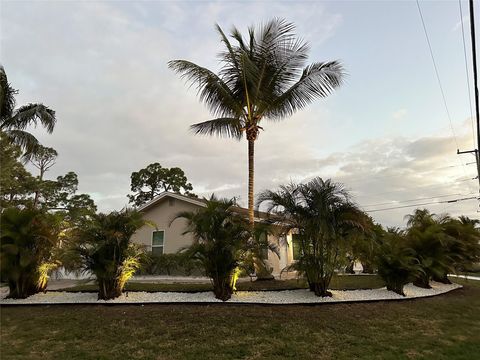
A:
(165, 210)
(161, 214)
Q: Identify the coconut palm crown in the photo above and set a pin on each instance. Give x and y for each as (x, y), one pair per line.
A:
(13, 122)
(264, 76)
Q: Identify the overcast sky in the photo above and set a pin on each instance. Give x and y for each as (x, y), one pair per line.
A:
(102, 66)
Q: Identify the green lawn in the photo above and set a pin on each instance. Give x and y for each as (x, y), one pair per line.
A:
(443, 327)
(338, 283)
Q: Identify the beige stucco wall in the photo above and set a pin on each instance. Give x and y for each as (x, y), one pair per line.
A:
(166, 209)
(161, 214)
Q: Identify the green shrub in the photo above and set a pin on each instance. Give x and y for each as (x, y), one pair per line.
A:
(324, 217)
(102, 246)
(220, 237)
(29, 239)
(396, 262)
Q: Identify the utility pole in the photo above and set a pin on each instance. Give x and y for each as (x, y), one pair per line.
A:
(475, 81)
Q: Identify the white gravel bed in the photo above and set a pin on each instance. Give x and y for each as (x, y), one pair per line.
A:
(257, 297)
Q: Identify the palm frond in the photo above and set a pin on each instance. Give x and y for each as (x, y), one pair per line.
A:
(26, 141)
(222, 127)
(318, 80)
(7, 96)
(212, 90)
(31, 114)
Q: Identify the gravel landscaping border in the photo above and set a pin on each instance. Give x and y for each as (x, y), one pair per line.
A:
(284, 297)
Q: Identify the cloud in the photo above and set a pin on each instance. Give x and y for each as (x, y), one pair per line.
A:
(102, 67)
(399, 114)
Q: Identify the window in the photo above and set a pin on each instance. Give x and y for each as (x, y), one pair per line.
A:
(158, 238)
(297, 246)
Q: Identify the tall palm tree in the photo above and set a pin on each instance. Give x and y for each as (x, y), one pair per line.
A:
(13, 122)
(262, 77)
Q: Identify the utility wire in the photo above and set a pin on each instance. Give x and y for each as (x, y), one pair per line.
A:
(467, 73)
(439, 81)
(417, 199)
(436, 73)
(432, 186)
(426, 203)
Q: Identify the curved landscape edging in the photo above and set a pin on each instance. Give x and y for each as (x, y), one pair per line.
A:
(284, 297)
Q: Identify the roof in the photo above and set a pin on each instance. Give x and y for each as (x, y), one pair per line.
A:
(259, 215)
(166, 194)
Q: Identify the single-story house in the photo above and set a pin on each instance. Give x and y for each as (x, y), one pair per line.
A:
(167, 237)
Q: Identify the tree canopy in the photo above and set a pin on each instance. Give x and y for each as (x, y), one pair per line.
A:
(155, 179)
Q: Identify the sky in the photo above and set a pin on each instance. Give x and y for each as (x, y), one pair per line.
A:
(385, 134)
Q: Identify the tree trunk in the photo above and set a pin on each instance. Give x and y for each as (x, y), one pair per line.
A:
(108, 289)
(442, 279)
(222, 288)
(422, 281)
(251, 174)
(320, 289)
(37, 192)
(396, 287)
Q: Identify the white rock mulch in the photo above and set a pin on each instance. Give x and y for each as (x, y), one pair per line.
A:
(257, 297)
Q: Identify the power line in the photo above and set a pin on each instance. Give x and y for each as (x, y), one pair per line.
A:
(467, 72)
(417, 199)
(413, 172)
(426, 203)
(441, 88)
(431, 186)
(437, 74)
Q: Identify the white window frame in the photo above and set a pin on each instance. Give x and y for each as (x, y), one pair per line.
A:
(157, 246)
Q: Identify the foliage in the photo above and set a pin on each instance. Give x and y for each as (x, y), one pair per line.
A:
(263, 76)
(465, 248)
(16, 183)
(362, 245)
(256, 259)
(220, 235)
(29, 238)
(442, 244)
(102, 246)
(154, 179)
(396, 262)
(323, 216)
(13, 122)
(426, 236)
(168, 264)
(19, 188)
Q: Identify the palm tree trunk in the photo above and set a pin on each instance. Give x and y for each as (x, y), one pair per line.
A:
(251, 173)
(37, 192)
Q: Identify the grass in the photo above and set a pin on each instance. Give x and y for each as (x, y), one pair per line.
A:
(442, 327)
(338, 283)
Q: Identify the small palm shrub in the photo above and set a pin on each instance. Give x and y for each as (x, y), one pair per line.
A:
(442, 244)
(323, 217)
(220, 237)
(102, 246)
(464, 245)
(431, 250)
(396, 262)
(29, 239)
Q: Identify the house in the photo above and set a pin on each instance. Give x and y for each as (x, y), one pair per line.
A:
(167, 237)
